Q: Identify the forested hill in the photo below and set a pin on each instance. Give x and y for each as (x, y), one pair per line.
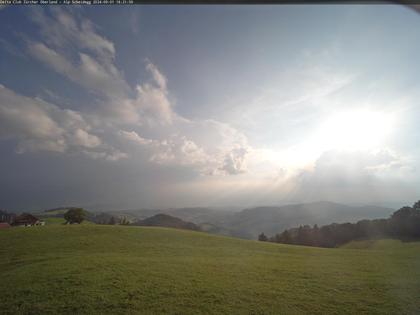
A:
(403, 224)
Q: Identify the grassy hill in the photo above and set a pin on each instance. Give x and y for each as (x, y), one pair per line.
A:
(164, 220)
(90, 269)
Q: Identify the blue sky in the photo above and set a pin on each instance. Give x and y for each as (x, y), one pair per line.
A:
(170, 106)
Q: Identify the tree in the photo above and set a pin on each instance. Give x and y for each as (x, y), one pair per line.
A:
(285, 237)
(112, 221)
(403, 213)
(262, 237)
(304, 235)
(315, 236)
(75, 215)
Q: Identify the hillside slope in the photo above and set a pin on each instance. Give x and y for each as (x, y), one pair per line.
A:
(119, 270)
(164, 220)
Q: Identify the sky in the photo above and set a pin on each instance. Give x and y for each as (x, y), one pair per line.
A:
(180, 106)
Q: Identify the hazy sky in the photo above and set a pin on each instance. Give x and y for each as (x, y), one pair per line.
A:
(171, 106)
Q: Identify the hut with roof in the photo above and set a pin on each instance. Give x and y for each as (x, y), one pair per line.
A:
(27, 219)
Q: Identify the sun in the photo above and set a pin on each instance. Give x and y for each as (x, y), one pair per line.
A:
(355, 130)
(350, 130)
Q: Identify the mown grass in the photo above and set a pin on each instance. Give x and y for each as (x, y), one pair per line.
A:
(57, 221)
(53, 220)
(89, 269)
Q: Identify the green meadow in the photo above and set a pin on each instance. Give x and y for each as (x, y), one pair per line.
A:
(88, 269)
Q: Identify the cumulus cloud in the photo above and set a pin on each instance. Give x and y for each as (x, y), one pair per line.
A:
(66, 35)
(153, 105)
(38, 125)
(234, 162)
(175, 150)
(82, 138)
(349, 175)
(134, 136)
(20, 116)
(72, 47)
(178, 149)
(148, 105)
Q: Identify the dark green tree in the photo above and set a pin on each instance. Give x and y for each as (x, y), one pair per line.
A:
(403, 213)
(304, 235)
(112, 221)
(75, 215)
(285, 237)
(262, 237)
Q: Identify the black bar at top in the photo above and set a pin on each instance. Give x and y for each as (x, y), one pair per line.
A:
(410, 3)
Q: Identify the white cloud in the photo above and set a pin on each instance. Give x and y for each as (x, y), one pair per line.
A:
(207, 146)
(204, 156)
(159, 78)
(133, 136)
(153, 105)
(38, 125)
(48, 56)
(112, 155)
(175, 150)
(179, 150)
(30, 121)
(350, 175)
(62, 29)
(234, 162)
(88, 72)
(82, 138)
(74, 49)
(66, 35)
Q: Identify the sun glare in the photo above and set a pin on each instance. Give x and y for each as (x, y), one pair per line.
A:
(355, 130)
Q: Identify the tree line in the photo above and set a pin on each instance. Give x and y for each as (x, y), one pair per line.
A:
(403, 224)
(78, 215)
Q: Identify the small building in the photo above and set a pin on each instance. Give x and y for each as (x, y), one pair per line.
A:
(27, 219)
(4, 225)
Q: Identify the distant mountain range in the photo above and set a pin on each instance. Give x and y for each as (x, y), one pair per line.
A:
(248, 223)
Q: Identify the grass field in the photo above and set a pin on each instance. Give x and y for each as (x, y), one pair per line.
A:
(57, 221)
(91, 269)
